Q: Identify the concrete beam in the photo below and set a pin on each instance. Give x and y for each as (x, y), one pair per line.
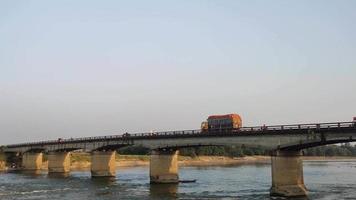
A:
(164, 167)
(32, 161)
(103, 163)
(58, 162)
(287, 174)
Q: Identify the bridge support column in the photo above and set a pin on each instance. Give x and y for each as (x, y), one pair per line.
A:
(287, 174)
(58, 162)
(103, 163)
(164, 167)
(32, 161)
(3, 163)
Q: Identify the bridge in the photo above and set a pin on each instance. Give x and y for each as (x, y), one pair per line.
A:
(284, 141)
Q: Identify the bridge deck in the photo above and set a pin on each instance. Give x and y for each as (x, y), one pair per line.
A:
(256, 130)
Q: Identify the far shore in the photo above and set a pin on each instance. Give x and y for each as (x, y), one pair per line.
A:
(81, 161)
(203, 161)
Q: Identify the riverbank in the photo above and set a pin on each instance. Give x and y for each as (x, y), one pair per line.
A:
(133, 161)
(81, 161)
(185, 161)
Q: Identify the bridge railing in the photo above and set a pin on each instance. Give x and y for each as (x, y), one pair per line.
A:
(301, 126)
(161, 133)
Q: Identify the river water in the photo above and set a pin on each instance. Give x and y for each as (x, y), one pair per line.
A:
(324, 180)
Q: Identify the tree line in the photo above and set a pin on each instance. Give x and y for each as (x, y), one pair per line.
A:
(240, 151)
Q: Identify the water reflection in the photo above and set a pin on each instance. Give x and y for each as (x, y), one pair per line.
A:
(163, 190)
(31, 173)
(58, 175)
(103, 181)
(289, 198)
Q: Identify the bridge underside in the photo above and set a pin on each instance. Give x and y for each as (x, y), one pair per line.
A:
(311, 144)
(271, 142)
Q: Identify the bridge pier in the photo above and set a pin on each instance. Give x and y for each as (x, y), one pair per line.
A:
(32, 161)
(103, 163)
(287, 174)
(58, 162)
(164, 167)
(3, 162)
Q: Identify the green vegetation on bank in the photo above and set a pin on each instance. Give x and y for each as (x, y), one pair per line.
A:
(80, 157)
(2, 157)
(133, 157)
(332, 150)
(133, 150)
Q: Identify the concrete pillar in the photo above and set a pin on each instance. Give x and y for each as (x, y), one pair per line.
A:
(2, 165)
(103, 163)
(164, 167)
(58, 162)
(287, 174)
(32, 161)
(2, 162)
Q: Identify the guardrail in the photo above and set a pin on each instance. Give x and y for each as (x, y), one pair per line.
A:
(244, 130)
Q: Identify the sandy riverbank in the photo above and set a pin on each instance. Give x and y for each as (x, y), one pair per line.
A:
(81, 161)
(132, 161)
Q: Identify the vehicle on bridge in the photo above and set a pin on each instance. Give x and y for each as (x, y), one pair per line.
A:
(219, 122)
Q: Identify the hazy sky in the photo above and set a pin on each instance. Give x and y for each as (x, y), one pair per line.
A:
(84, 68)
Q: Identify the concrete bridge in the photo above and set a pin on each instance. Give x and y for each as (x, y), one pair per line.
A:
(284, 141)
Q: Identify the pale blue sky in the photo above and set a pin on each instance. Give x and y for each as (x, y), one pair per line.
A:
(83, 68)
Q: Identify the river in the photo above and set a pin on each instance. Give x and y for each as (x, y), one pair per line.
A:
(325, 180)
